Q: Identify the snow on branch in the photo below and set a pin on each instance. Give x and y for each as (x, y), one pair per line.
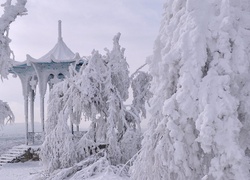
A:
(6, 115)
(10, 14)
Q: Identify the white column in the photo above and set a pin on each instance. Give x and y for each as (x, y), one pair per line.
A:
(26, 111)
(77, 127)
(42, 111)
(32, 98)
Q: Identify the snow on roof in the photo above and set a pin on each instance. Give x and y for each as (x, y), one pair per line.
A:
(60, 52)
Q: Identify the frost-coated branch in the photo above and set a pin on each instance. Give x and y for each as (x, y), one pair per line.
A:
(10, 14)
(6, 115)
(97, 93)
(200, 110)
(137, 70)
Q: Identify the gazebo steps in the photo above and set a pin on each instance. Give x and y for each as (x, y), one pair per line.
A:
(12, 154)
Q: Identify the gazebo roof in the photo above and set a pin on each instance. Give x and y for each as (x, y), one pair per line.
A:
(59, 53)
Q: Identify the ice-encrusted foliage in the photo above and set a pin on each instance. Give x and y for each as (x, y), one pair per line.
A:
(55, 106)
(141, 93)
(119, 68)
(200, 118)
(94, 167)
(97, 92)
(58, 149)
(10, 13)
(6, 115)
(105, 82)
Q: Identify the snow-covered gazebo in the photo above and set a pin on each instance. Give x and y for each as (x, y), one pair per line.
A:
(47, 70)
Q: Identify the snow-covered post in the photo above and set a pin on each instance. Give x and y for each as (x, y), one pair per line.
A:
(42, 111)
(26, 111)
(32, 99)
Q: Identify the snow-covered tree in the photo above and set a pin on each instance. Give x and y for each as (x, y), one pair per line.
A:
(98, 93)
(58, 149)
(6, 114)
(200, 119)
(10, 13)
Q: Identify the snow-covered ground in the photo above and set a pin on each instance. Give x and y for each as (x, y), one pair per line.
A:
(11, 135)
(18, 171)
(7, 143)
(34, 171)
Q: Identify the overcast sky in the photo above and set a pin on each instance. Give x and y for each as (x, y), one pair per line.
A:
(86, 25)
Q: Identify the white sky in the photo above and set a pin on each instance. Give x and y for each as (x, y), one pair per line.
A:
(86, 25)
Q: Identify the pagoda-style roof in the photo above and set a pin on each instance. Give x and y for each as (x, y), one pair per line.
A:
(54, 63)
(59, 53)
(50, 69)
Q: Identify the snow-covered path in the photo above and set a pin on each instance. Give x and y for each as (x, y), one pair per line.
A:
(20, 171)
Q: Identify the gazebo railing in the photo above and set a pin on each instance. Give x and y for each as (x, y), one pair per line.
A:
(38, 137)
(35, 137)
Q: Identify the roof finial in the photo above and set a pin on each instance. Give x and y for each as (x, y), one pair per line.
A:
(59, 30)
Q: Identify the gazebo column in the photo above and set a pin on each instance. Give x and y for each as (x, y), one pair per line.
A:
(42, 83)
(32, 99)
(26, 111)
(26, 88)
(42, 111)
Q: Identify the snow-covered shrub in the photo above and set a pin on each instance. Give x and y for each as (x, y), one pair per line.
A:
(6, 114)
(200, 110)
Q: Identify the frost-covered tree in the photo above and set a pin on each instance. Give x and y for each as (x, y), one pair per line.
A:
(199, 127)
(98, 93)
(6, 114)
(58, 148)
(10, 13)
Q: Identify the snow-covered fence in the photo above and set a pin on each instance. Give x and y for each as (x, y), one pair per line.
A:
(38, 137)
(35, 137)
